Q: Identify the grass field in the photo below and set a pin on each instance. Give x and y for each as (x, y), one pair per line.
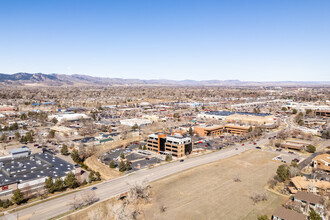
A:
(209, 192)
(105, 171)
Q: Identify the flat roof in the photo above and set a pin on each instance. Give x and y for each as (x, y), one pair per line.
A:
(32, 167)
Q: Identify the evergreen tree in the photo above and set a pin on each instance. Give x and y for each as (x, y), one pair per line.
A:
(122, 155)
(128, 165)
(49, 182)
(18, 197)
(29, 137)
(71, 181)
(122, 167)
(84, 182)
(75, 156)
(17, 135)
(91, 176)
(98, 176)
(313, 215)
(54, 120)
(282, 172)
(64, 150)
(59, 185)
(23, 116)
(144, 147)
(23, 139)
(112, 164)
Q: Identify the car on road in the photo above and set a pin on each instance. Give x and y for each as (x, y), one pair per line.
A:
(181, 160)
(94, 188)
(290, 152)
(254, 143)
(278, 149)
(147, 158)
(242, 144)
(258, 148)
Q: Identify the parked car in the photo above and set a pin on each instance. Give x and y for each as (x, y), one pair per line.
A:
(258, 147)
(278, 149)
(181, 160)
(254, 143)
(296, 160)
(94, 188)
(242, 144)
(290, 152)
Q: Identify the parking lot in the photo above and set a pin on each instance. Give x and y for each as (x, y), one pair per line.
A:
(138, 158)
(288, 157)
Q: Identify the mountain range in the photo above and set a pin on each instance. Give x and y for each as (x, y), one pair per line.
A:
(41, 79)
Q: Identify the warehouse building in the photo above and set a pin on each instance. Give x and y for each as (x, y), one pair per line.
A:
(31, 172)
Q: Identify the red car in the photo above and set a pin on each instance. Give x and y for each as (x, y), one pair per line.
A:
(206, 145)
(254, 143)
(242, 144)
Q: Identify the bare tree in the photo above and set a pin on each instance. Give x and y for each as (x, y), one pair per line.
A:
(258, 197)
(237, 178)
(76, 203)
(89, 198)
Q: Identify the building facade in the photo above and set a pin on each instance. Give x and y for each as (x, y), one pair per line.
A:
(176, 145)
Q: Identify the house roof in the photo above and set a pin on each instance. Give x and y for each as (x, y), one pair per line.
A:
(308, 197)
(325, 157)
(288, 214)
(301, 182)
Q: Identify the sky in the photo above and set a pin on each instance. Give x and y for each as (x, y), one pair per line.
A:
(250, 40)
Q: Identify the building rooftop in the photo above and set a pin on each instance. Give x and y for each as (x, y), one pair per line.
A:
(308, 197)
(288, 214)
(32, 167)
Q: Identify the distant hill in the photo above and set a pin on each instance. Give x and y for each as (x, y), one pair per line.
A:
(41, 79)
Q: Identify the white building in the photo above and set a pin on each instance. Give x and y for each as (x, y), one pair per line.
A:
(138, 121)
(68, 117)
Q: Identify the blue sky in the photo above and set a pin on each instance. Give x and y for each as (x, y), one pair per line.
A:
(263, 40)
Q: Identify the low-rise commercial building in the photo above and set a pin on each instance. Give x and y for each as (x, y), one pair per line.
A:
(176, 144)
(135, 121)
(216, 130)
(322, 113)
(69, 116)
(31, 172)
(322, 162)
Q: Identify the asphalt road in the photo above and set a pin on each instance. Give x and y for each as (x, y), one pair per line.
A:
(114, 187)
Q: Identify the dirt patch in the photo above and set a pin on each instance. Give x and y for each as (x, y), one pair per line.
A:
(105, 171)
(209, 191)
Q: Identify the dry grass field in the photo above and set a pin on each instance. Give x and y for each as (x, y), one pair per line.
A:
(209, 191)
(105, 171)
